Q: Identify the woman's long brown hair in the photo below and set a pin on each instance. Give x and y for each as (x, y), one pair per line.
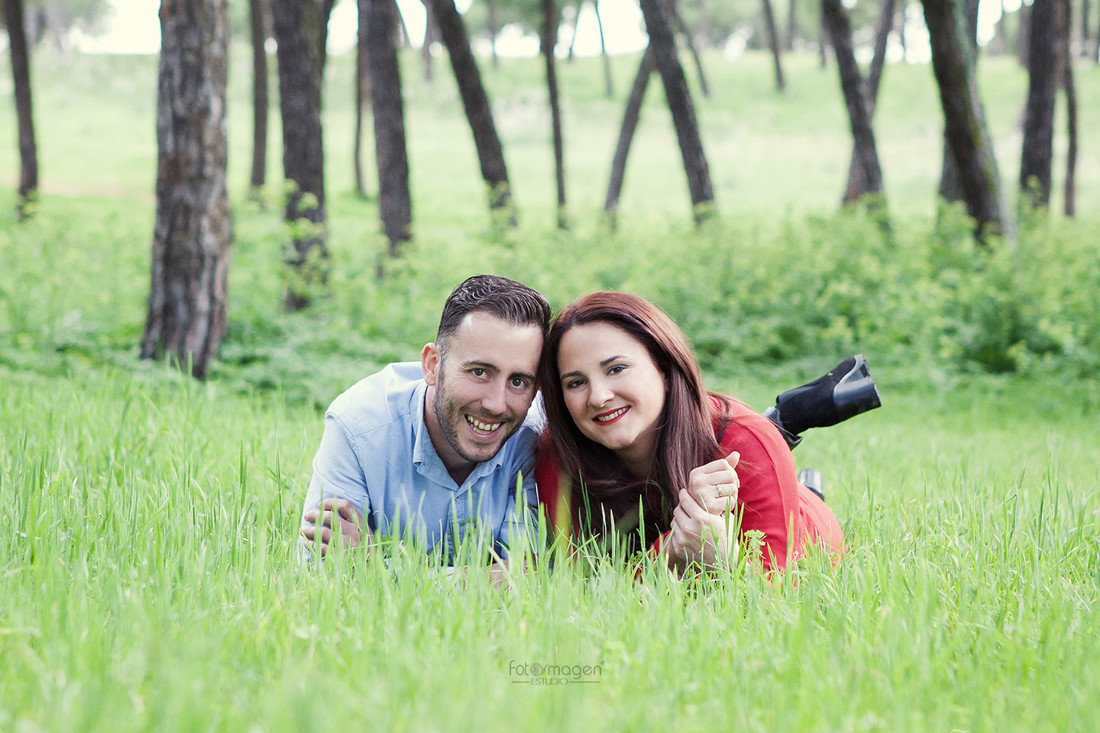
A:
(602, 492)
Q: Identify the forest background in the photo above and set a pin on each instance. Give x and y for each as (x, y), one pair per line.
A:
(147, 519)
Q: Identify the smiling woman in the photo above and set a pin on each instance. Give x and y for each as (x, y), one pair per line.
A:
(638, 451)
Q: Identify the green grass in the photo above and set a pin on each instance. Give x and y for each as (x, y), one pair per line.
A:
(148, 579)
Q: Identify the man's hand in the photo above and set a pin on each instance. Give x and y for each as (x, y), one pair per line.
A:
(333, 513)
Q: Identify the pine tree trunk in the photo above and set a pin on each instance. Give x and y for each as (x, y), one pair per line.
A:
(773, 42)
(792, 24)
(548, 42)
(964, 119)
(609, 88)
(394, 205)
(429, 37)
(856, 182)
(300, 31)
(21, 75)
(490, 153)
(863, 137)
(626, 132)
(1064, 16)
(1085, 31)
(673, 16)
(362, 95)
(260, 21)
(1038, 146)
(950, 184)
(682, 108)
(191, 237)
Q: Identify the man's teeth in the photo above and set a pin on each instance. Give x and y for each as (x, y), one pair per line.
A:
(611, 416)
(483, 427)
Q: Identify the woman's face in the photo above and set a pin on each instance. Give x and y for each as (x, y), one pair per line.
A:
(614, 391)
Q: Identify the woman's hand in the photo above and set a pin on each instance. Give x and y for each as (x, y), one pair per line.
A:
(703, 522)
(714, 486)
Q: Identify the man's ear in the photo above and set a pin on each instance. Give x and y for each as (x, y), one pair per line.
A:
(430, 359)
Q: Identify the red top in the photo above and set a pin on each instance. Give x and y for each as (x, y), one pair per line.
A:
(773, 501)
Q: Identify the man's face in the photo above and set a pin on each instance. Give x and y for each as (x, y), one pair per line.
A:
(480, 386)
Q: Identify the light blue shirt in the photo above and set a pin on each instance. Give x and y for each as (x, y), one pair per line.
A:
(376, 453)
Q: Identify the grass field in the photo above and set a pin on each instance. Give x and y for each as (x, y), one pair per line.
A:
(147, 521)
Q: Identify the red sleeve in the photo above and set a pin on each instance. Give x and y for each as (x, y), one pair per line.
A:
(553, 491)
(788, 514)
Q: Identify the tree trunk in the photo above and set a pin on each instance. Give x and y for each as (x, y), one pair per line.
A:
(1035, 163)
(822, 43)
(856, 182)
(964, 119)
(549, 41)
(429, 36)
(300, 31)
(21, 74)
(792, 24)
(1064, 17)
(609, 88)
(626, 133)
(191, 237)
(673, 15)
(260, 21)
(394, 205)
(494, 30)
(682, 108)
(1023, 33)
(863, 137)
(773, 41)
(362, 95)
(490, 153)
(1085, 32)
(950, 184)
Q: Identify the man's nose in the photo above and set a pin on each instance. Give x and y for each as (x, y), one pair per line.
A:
(495, 398)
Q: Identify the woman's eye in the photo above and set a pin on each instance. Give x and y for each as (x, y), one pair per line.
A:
(574, 383)
(616, 369)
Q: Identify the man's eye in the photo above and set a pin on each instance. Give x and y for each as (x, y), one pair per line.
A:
(519, 383)
(478, 372)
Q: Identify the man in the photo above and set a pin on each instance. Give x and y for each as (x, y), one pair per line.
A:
(433, 451)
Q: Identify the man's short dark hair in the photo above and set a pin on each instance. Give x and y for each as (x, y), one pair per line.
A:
(506, 299)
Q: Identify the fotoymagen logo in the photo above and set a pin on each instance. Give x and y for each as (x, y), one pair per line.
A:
(533, 673)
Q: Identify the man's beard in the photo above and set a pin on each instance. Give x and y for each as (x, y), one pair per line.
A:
(450, 417)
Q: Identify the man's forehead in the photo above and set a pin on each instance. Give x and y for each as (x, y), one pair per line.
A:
(483, 337)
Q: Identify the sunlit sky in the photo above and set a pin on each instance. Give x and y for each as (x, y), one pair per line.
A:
(133, 27)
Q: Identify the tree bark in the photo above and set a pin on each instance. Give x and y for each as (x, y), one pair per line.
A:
(964, 118)
(673, 16)
(548, 42)
(260, 21)
(362, 95)
(1038, 146)
(1085, 31)
(394, 205)
(773, 41)
(494, 30)
(429, 37)
(856, 182)
(490, 153)
(609, 88)
(626, 132)
(1064, 17)
(21, 76)
(1023, 33)
(682, 108)
(792, 24)
(191, 237)
(950, 185)
(863, 137)
(300, 30)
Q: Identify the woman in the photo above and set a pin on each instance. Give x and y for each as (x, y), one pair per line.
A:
(638, 450)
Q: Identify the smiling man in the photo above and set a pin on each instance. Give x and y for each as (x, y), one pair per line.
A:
(432, 451)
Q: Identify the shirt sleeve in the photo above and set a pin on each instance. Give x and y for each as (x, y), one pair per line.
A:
(520, 523)
(337, 472)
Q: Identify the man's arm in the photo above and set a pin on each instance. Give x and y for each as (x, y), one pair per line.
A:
(337, 499)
